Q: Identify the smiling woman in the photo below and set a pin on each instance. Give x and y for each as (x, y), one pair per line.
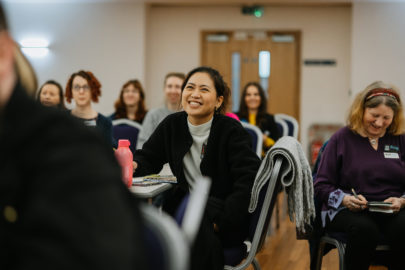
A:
(131, 102)
(201, 141)
(367, 157)
(200, 99)
(253, 109)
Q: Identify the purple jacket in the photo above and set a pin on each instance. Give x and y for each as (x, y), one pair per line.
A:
(349, 161)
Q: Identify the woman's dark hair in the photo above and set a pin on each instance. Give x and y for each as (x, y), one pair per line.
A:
(95, 85)
(61, 104)
(262, 110)
(221, 87)
(121, 108)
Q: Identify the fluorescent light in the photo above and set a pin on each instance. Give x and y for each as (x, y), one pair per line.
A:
(34, 47)
(34, 43)
(35, 52)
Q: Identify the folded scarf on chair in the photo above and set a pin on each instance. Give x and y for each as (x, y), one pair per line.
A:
(296, 178)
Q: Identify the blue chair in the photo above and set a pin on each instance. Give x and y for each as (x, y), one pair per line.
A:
(291, 122)
(259, 224)
(126, 129)
(257, 137)
(166, 246)
(282, 126)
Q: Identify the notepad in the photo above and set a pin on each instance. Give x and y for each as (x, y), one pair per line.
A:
(381, 207)
(154, 179)
(161, 178)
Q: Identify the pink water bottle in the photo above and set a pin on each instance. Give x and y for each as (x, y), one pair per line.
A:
(124, 156)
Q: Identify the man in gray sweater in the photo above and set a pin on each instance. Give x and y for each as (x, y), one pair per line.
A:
(172, 90)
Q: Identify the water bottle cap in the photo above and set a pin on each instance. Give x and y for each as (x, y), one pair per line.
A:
(123, 143)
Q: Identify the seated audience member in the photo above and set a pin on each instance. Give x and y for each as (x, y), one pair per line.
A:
(201, 141)
(83, 87)
(172, 90)
(63, 204)
(51, 94)
(131, 102)
(253, 109)
(368, 156)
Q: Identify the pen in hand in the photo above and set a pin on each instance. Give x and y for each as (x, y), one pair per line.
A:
(355, 194)
(363, 201)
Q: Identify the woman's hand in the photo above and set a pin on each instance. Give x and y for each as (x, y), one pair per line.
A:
(397, 203)
(135, 165)
(354, 204)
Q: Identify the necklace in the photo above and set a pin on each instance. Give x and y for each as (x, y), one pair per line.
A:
(372, 141)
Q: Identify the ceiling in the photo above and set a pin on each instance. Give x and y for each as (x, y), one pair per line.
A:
(200, 2)
(213, 2)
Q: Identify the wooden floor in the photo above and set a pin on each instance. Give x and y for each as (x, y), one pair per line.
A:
(283, 252)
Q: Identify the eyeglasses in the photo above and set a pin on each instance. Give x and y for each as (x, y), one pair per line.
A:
(77, 87)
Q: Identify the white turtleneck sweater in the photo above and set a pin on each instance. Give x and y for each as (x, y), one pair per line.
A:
(192, 160)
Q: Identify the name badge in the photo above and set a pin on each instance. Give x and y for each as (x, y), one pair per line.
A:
(391, 155)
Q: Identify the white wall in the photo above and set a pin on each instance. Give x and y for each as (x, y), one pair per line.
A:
(105, 38)
(118, 41)
(173, 44)
(378, 50)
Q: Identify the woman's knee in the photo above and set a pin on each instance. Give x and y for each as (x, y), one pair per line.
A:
(364, 231)
(395, 230)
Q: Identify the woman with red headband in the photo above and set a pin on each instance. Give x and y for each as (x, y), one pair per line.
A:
(365, 162)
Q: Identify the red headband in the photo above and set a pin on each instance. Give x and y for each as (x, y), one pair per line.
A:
(382, 92)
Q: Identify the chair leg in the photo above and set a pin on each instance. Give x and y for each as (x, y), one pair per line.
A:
(256, 264)
(341, 250)
(320, 255)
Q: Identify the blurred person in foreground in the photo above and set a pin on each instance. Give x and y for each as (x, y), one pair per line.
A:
(62, 202)
(363, 162)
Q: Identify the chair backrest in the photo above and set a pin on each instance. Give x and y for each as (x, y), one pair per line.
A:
(257, 137)
(191, 210)
(291, 123)
(260, 218)
(166, 246)
(126, 129)
(282, 126)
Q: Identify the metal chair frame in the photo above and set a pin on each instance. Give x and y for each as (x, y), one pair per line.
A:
(341, 247)
(261, 229)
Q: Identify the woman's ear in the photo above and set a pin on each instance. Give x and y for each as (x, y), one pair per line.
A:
(220, 99)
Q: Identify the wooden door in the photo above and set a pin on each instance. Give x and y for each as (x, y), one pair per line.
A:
(283, 82)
